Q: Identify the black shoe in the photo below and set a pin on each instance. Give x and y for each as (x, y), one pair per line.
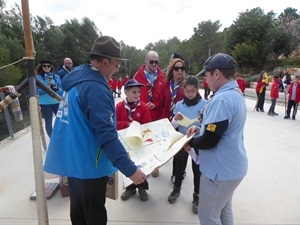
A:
(174, 195)
(127, 194)
(262, 110)
(257, 110)
(275, 114)
(270, 114)
(287, 117)
(293, 117)
(195, 203)
(143, 194)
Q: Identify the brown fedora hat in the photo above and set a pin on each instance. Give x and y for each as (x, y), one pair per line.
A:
(107, 46)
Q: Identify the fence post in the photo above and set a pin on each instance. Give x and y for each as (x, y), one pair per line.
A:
(7, 119)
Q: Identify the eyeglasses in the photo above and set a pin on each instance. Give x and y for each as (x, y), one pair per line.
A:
(46, 66)
(177, 68)
(115, 63)
(153, 61)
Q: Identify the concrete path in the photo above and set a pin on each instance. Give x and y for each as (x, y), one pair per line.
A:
(269, 194)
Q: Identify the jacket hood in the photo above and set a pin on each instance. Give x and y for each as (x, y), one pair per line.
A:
(81, 74)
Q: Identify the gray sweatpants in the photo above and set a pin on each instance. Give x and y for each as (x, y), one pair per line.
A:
(215, 201)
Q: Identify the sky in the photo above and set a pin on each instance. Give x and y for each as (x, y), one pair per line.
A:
(140, 22)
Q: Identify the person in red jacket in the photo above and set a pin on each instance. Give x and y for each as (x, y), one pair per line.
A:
(128, 110)
(126, 78)
(241, 82)
(154, 80)
(119, 85)
(172, 92)
(114, 86)
(206, 88)
(294, 98)
(274, 94)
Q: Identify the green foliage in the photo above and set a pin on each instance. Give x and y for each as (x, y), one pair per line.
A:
(257, 40)
(10, 76)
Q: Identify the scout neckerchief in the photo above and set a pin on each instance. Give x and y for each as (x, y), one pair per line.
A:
(131, 107)
(151, 78)
(173, 90)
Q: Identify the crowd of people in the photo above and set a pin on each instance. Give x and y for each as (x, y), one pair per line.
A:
(92, 150)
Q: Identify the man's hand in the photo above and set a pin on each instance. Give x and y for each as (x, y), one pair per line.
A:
(138, 177)
(192, 130)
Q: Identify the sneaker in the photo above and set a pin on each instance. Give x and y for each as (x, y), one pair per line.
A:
(270, 114)
(155, 173)
(174, 195)
(127, 194)
(143, 194)
(287, 117)
(195, 203)
(293, 118)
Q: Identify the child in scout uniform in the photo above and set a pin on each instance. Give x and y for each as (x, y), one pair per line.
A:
(191, 107)
(128, 110)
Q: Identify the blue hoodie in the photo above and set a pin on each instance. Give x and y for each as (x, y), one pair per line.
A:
(84, 143)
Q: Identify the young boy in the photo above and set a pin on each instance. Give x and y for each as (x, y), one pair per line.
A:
(274, 94)
(128, 110)
(241, 82)
(294, 98)
(190, 106)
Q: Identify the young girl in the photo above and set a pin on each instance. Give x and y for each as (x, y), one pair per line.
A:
(128, 110)
(190, 107)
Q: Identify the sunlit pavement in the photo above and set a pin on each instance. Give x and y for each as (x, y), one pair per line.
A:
(269, 194)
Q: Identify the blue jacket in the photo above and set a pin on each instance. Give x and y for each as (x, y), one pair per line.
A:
(47, 78)
(84, 143)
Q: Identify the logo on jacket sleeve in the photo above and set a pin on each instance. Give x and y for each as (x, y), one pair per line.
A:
(211, 127)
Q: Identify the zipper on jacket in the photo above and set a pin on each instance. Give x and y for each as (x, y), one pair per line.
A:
(98, 157)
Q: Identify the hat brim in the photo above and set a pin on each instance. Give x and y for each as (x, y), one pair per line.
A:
(104, 55)
(134, 85)
(201, 73)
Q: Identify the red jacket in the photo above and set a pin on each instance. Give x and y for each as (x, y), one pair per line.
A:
(205, 84)
(114, 83)
(165, 99)
(274, 92)
(297, 99)
(120, 83)
(141, 115)
(110, 83)
(125, 80)
(242, 84)
(156, 113)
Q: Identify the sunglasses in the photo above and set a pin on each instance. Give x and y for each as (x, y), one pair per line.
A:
(153, 61)
(177, 68)
(46, 66)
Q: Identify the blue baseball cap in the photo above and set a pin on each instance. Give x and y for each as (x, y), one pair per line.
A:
(218, 61)
(132, 83)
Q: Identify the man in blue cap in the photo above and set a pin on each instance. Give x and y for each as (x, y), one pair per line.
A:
(223, 159)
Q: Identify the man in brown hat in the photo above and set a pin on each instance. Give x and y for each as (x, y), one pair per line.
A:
(84, 145)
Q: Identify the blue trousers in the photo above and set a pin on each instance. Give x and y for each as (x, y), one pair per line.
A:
(47, 112)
